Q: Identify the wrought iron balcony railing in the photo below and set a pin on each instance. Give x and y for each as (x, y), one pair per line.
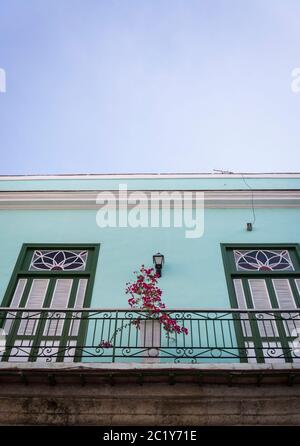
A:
(110, 335)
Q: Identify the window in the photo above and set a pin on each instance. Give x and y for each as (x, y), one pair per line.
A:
(47, 281)
(263, 260)
(58, 260)
(265, 278)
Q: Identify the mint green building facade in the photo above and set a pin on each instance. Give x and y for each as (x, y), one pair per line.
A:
(62, 211)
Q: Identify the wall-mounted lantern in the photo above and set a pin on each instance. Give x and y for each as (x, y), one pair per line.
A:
(158, 260)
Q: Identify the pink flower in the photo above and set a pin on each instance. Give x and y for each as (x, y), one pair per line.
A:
(105, 344)
(146, 296)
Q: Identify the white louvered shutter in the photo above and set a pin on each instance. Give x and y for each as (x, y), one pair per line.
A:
(261, 301)
(60, 300)
(241, 300)
(18, 294)
(286, 301)
(35, 299)
(80, 295)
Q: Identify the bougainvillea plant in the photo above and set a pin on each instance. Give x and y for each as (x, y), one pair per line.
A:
(145, 295)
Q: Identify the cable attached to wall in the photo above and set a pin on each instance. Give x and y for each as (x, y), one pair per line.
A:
(251, 224)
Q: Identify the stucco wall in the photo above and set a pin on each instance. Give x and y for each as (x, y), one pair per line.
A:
(193, 274)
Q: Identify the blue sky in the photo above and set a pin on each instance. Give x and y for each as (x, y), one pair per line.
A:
(149, 86)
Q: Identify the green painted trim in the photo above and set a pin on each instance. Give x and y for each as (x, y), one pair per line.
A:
(13, 280)
(294, 249)
(83, 328)
(37, 336)
(55, 273)
(256, 337)
(227, 269)
(263, 274)
(19, 272)
(46, 246)
(64, 337)
(234, 304)
(260, 245)
(231, 273)
(295, 292)
(279, 323)
(15, 324)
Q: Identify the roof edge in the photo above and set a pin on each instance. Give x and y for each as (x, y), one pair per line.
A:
(110, 176)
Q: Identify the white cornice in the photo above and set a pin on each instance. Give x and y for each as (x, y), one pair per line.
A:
(212, 199)
(146, 176)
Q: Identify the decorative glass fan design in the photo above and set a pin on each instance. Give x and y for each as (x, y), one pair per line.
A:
(58, 260)
(263, 260)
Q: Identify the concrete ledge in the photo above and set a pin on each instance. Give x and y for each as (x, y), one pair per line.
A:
(115, 366)
(143, 373)
(149, 404)
(149, 394)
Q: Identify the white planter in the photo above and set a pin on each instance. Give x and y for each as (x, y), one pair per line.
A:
(149, 339)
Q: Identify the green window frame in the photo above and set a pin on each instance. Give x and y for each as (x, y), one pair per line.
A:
(290, 278)
(78, 281)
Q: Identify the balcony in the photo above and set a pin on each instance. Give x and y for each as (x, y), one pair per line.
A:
(117, 336)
